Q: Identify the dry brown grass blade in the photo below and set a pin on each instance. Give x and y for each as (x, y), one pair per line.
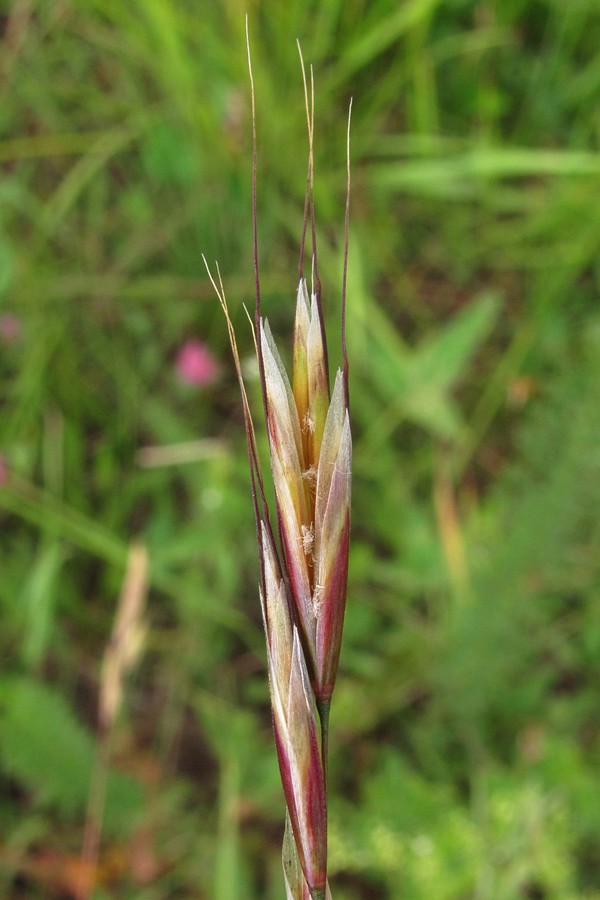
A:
(123, 650)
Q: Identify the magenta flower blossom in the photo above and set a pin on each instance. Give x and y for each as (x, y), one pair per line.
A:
(10, 328)
(195, 364)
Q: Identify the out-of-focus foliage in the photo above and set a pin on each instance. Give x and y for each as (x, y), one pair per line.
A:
(465, 741)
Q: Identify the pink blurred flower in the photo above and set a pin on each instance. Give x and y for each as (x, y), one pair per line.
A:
(195, 364)
(10, 328)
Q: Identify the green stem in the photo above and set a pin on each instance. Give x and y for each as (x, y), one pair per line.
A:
(324, 707)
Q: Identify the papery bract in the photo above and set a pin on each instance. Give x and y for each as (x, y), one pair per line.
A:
(295, 725)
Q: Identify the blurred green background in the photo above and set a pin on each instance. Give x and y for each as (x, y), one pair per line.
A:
(465, 743)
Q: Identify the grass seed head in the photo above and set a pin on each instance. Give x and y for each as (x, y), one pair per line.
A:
(311, 448)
